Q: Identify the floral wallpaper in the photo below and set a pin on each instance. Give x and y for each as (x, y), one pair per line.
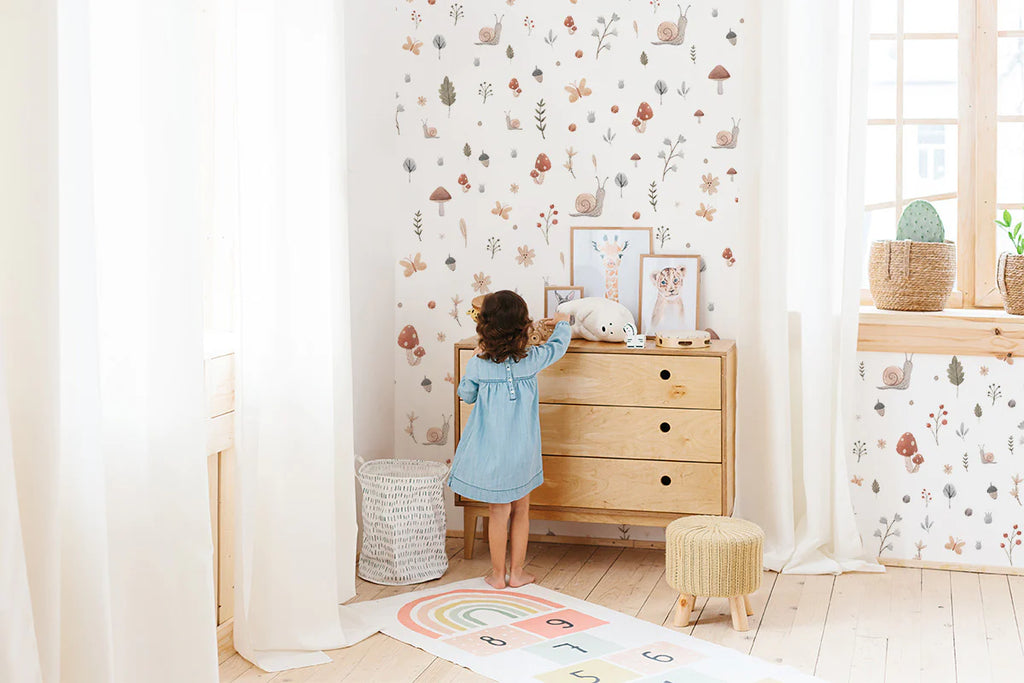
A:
(517, 119)
(937, 460)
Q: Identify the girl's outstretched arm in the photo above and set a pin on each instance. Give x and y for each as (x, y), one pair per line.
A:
(555, 347)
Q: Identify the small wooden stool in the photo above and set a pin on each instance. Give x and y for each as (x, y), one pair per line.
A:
(716, 557)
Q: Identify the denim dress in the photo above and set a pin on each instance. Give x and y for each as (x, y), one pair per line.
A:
(498, 459)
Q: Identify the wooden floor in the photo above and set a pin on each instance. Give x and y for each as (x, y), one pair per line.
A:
(902, 626)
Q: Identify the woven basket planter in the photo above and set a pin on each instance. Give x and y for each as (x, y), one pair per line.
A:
(1010, 278)
(911, 276)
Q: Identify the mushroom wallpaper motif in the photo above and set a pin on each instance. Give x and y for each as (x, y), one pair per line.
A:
(522, 118)
(936, 461)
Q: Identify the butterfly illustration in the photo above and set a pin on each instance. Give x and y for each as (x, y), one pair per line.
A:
(956, 546)
(412, 46)
(412, 265)
(578, 91)
(706, 212)
(859, 481)
(501, 210)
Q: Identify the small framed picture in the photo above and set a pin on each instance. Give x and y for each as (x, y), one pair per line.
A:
(553, 296)
(669, 293)
(605, 262)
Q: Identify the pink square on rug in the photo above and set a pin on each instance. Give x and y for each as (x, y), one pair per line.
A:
(559, 623)
(493, 640)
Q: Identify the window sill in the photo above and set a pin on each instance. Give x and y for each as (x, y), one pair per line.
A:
(988, 332)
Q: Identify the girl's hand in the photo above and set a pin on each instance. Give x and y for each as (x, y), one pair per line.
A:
(561, 317)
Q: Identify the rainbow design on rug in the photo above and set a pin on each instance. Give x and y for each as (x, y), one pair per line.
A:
(445, 614)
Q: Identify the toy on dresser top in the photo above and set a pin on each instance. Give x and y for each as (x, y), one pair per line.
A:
(592, 318)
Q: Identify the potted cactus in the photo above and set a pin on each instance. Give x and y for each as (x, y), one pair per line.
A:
(1010, 269)
(916, 271)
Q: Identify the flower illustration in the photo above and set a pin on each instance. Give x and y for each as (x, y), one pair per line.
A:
(421, 100)
(881, 444)
(983, 371)
(514, 188)
(525, 257)
(481, 283)
(709, 184)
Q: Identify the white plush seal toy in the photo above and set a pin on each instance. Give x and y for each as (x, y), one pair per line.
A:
(597, 319)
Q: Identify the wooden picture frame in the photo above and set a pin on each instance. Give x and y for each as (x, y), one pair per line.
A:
(593, 276)
(548, 291)
(689, 294)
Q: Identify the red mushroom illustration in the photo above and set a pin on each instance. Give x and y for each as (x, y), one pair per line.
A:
(410, 341)
(440, 195)
(540, 167)
(719, 75)
(570, 24)
(732, 174)
(514, 87)
(635, 158)
(907, 447)
(644, 113)
(699, 114)
(464, 182)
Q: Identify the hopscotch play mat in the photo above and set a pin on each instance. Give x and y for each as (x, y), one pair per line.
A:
(535, 634)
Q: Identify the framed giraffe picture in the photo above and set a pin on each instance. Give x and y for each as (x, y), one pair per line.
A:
(605, 262)
(553, 296)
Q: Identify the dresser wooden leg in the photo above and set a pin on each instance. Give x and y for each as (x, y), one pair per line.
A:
(469, 516)
(739, 614)
(683, 608)
(746, 605)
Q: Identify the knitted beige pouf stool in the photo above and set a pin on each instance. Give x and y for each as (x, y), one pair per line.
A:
(716, 557)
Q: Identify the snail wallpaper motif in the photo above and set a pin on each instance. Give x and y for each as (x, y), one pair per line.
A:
(521, 118)
(937, 458)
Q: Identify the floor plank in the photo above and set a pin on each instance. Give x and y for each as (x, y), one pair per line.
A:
(969, 629)
(629, 581)
(1004, 649)
(906, 602)
(794, 621)
(938, 657)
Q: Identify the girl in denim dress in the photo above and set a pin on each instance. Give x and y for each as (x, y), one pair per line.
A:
(498, 460)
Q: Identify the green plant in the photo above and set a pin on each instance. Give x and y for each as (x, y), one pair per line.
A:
(1013, 232)
(920, 222)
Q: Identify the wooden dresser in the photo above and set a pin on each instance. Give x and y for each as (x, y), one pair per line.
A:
(629, 436)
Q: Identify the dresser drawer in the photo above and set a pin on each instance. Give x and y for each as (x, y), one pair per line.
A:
(619, 379)
(640, 380)
(643, 485)
(619, 432)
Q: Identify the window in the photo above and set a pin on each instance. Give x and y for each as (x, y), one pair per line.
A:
(946, 124)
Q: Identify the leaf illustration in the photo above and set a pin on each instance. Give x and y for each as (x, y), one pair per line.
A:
(955, 372)
(447, 94)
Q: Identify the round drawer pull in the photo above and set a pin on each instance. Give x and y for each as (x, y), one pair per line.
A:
(665, 426)
(666, 480)
(665, 374)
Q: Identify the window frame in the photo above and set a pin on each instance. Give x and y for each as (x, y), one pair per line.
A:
(977, 126)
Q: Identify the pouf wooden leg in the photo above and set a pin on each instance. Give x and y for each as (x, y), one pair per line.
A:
(746, 604)
(683, 608)
(739, 614)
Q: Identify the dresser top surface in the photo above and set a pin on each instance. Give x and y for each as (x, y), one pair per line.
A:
(719, 347)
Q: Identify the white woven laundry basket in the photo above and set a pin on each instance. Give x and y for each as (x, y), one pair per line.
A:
(403, 521)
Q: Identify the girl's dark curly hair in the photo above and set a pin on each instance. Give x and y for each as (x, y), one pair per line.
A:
(503, 326)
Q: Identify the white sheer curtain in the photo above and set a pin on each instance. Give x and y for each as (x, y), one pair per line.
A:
(102, 444)
(798, 341)
(280, 178)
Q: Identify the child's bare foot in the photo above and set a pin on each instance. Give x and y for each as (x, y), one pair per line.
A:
(495, 581)
(521, 578)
